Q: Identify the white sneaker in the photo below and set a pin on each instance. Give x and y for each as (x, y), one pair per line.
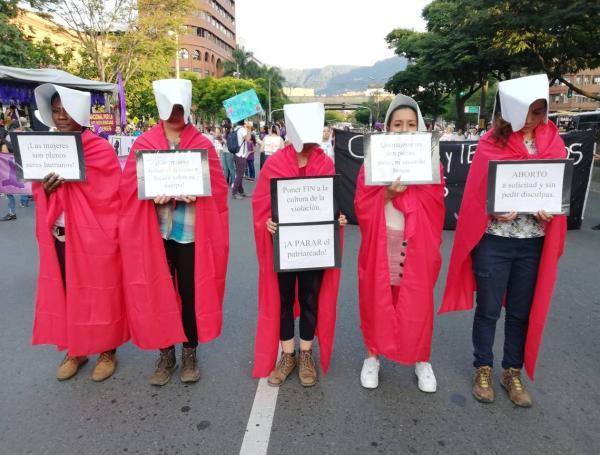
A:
(424, 372)
(369, 375)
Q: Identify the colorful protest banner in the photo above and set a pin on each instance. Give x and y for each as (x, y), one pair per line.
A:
(9, 183)
(242, 106)
(104, 121)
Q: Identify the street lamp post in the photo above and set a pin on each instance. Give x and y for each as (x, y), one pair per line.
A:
(270, 77)
(172, 33)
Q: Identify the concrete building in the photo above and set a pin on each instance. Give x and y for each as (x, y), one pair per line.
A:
(588, 80)
(298, 91)
(38, 27)
(209, 39)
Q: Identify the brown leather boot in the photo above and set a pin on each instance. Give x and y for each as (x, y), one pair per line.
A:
(105, 366)
(189, 366)
(483, 391)
(165, 366)
(511, 381)
(69, 367)
(284, 367)
(307, 371)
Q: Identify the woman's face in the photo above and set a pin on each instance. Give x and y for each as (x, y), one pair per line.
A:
(403, 120)
(535, 116)
(62, 119)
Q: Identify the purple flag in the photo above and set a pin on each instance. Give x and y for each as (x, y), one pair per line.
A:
(122, 105)
(8, 177)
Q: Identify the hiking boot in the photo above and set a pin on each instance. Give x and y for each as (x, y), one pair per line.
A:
(307, 371)
(284, 367)
(69, 367)
(165, 366)
(189, 366)
(105, 366)
(482, 385)
(511, 381)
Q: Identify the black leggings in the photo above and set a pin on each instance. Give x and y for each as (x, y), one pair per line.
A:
(309, 285)
(180, 257)
(60, 254)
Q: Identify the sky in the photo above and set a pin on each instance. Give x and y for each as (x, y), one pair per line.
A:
(316, 33)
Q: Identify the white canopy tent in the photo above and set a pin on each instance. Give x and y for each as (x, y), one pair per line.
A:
(53, 76)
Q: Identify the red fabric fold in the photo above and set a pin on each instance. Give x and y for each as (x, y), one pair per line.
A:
(284, 163)
(153, 307)
(90, 317)
(472, 223)
(399, 328)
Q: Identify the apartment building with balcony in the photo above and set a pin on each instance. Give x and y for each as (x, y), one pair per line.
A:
(588, 80)
(209, 38)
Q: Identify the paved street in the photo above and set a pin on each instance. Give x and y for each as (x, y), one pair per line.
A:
(126, 415)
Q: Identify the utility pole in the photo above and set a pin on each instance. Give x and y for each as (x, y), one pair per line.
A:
(270, 77)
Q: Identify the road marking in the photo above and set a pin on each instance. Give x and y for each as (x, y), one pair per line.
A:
(258, 430)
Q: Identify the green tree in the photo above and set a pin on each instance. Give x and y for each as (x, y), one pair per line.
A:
(334, 117)
(17, 50)
(557, 38)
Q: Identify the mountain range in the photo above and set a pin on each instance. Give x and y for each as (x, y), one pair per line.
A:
(337, 79)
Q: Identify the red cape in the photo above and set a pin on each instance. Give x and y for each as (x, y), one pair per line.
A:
(472, 223)
(284, 163)
(401, 330)
(153, 306)
(90, 317)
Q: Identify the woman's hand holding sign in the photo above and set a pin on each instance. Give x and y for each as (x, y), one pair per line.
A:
(51, 183)
(271, 227)
(542, 215)
(394, 190)
(505, 216)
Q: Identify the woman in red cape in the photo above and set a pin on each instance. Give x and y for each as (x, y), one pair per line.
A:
(79, 303)
(286, 162)
(508, 258)
(398, 263)
(163, 311)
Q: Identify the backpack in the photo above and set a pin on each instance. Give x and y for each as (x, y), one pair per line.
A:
(232, 142)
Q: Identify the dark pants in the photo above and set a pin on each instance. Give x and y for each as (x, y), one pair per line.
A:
(180, 257)
(240, 168)
(60, 254)
(309, 285)
(504, 267)
(251, 171)
(263, 158)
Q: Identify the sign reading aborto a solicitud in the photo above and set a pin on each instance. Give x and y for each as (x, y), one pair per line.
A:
(308, 233)
(528, 186)
(172, 173)
(411, 157)
(39, 153)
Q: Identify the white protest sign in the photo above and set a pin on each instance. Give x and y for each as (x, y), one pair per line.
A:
(122, 144)
(173, 173)
(306, 200)
(408, 157)
(271, 144)
(38, 154)
(306, 246)
(527, 187)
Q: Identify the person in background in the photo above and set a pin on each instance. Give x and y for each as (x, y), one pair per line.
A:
(6, 147)
(227, 160)
(240, 159)
(270, 144)
(509, 259)
(327, 144)
(250, 159)
(218, 141)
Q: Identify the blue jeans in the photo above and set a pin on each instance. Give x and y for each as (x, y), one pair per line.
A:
(11, 203)
(228, 166)
(504, 267)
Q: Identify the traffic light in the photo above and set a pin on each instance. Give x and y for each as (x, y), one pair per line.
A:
(570, 93)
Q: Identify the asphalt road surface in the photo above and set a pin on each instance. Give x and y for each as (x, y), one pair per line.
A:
(40, 415)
